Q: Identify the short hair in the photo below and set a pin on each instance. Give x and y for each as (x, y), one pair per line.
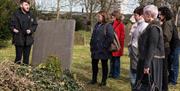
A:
(166, 12)
(151, 10)
(117, 14)
(104, 15)
(22, 1)
(139, 10)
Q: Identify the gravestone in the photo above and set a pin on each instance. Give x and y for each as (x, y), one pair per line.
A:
(54, 38)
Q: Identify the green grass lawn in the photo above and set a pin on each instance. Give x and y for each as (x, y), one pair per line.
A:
(81, 67)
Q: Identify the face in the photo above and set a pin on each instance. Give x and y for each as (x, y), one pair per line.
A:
(146, 17)
(25, 6)
(137, 17)
(160, 16)
(113, 18)
(100, 18)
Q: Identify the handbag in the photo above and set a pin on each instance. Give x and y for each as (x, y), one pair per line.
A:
(149, 86)
(115, 45)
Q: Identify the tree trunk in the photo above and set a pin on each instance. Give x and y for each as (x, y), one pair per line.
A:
(58, 9)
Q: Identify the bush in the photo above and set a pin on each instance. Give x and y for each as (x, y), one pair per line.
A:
(6, 10)
(46, 77)
(79, 23)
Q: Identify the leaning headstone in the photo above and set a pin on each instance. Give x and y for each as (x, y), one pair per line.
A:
(54, 38)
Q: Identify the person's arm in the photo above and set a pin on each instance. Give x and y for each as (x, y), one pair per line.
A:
(33, 25)
(14, 24)
(167, 32)
(92, 37)
(154, 34)
(109, 34)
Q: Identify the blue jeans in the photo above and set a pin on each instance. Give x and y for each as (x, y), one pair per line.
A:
(115, 67)
(174, 69)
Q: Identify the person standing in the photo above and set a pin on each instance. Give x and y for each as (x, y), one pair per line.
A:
(100, 42)
(23, 25)
(119, 30)
(165, 16)
(133, 45)
(174, 57)
(172, 44)
(151, 49)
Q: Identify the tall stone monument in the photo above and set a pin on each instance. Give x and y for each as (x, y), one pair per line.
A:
(54, 38)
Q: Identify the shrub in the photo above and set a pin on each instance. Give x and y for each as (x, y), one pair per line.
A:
(46, 77)
(6, 10)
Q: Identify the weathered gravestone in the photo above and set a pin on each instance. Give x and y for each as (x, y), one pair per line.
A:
(54, 38)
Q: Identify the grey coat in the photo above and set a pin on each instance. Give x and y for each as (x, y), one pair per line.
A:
(101, 39)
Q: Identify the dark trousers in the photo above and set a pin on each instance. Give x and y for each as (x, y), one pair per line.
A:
(174, 66)
(165, 70)
(22, 51)
(95, 69)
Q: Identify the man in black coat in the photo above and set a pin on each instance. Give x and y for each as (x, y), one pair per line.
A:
(23, 24)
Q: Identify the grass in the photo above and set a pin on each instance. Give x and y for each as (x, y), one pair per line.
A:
(81, 67)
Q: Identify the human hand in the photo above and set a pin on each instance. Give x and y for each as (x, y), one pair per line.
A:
(28, 31)
(146, 71)
(15, 30)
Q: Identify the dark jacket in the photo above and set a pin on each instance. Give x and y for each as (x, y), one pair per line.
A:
(151, 44)
(167, 28)
(175, 40)
(101, 39)
(23, 22)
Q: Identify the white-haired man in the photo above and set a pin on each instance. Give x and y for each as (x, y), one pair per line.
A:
(151, 49)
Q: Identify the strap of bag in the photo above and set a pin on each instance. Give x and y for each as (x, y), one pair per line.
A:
(105, 28)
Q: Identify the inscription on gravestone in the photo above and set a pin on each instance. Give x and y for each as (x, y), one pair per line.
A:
(54, 38)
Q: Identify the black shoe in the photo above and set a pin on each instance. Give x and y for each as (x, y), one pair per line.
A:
(92, 82)
(102, 83)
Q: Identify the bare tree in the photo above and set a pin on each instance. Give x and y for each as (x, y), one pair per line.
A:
(109, 5)
(71, 4)
(174, 5)
(92, 6)
(31, 1)
(58, 9)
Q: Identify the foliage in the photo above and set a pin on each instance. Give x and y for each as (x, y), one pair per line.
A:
(46, 77)
(52, 64)
(7, 7)
(80, 22)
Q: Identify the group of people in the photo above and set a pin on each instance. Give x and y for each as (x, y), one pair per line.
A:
(153, 48)
(102, 37)
(154, 45)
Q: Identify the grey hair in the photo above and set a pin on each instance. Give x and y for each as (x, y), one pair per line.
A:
(151, 10)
